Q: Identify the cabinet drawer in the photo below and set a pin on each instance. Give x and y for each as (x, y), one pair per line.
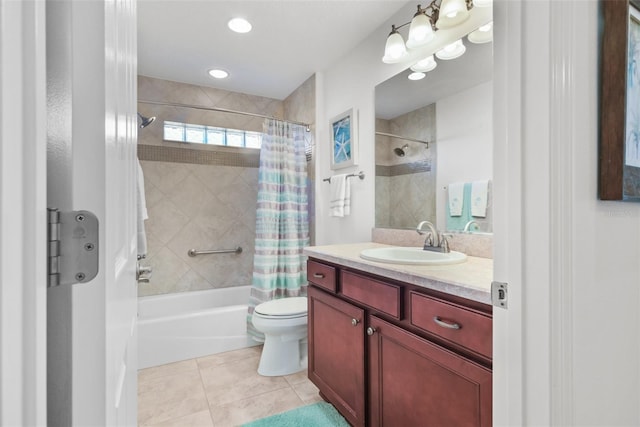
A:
(321, 275)
(456, 324)
(372, 293)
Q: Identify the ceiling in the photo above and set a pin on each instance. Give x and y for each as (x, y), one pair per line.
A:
(181, 40)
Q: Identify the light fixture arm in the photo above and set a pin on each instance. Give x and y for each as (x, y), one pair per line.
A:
(432, 11)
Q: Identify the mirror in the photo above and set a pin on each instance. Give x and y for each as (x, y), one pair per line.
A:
(451, 109)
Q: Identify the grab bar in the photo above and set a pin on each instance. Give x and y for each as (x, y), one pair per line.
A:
(193, 252)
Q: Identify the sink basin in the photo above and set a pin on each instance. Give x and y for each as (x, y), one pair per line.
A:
(412, 256)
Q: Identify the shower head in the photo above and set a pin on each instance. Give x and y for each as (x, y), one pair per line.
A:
(400, 152)
(145, 121)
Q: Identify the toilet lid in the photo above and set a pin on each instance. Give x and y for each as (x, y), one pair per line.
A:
(283, 307)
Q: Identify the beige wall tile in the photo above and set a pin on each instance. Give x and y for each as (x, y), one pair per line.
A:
(204, 206)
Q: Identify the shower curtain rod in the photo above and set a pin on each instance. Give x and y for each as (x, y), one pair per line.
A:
(223, 110)
(403, 137)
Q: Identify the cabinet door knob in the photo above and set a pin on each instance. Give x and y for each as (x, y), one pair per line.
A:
(354, 322)
(445, 324)
(371, 331)
(318, 275)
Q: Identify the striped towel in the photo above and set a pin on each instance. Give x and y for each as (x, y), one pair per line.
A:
(340, 202)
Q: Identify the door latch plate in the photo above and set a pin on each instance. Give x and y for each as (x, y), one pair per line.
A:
(499, 297)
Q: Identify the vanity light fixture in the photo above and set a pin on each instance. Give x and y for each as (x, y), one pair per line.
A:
(420, 30)
(239, 25)
(425, 22)
(416, 75)
(218, 74)
(424, 65)
(452, 51)
(484, 34)
(452, 13)
(394, 50)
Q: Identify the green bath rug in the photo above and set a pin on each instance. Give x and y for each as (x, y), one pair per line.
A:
(319, 414)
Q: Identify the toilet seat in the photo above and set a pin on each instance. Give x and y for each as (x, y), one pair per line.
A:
(283, 308)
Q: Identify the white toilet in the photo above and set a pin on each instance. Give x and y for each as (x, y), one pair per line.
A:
(284, 325)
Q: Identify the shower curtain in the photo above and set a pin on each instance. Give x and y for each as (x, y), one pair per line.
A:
(282, 222)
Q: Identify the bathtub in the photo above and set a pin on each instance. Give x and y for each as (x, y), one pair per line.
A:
(186, 325)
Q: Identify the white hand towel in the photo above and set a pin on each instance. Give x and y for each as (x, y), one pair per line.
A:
(456, 196)
(142, 213)
(479, 190)
(340, 203)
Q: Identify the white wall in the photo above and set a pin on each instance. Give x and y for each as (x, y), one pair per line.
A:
(606, 256)
(465, 141)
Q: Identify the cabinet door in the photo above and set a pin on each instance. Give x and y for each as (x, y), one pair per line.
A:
(336, 353)
(414, 382)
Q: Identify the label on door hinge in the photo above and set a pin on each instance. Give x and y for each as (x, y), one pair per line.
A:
(499, 294)
(72, 249)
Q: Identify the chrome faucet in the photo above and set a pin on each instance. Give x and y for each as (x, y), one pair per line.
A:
(435, 241)
(467, 226)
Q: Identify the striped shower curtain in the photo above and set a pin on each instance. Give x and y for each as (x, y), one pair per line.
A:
(282, 223)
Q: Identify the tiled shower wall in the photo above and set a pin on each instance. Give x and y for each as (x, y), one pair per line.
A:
(405, 186)
(198, 196)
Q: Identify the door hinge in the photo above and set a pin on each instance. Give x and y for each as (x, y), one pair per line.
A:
(499, 294)
(72, 247)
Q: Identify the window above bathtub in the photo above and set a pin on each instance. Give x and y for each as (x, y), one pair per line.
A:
(211, 135)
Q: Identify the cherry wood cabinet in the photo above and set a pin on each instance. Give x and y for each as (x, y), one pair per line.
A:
(414, 382)
(336, 356)
(387, 353)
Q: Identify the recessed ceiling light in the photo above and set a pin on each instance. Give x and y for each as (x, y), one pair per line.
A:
(239, 25)
(218, 74)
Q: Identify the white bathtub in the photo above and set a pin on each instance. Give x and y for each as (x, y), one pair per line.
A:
(185, 325)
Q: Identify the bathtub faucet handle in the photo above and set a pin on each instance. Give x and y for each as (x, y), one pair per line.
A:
(141, 271)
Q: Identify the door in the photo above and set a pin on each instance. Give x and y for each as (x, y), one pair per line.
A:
(415, 382)
(22, 214)
(336, 353)
(92, 335)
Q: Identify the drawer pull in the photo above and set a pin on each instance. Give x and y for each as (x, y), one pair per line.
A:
(371, 331)
(318, 275)
(445, 324)
(354, 322)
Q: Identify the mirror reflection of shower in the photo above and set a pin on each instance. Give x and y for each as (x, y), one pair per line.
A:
(145, 121)
(401, 151)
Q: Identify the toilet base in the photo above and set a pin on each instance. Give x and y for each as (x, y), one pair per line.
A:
(280, 357)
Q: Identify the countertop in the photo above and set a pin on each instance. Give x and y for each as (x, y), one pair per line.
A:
(470, 279)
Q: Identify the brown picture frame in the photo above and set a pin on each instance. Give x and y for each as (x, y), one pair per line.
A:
(619, 166)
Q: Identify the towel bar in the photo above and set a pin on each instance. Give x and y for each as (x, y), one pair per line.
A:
(359, 175)
(193, 252)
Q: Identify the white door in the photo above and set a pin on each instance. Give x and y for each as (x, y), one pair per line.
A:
(92, 132)
(22, 214)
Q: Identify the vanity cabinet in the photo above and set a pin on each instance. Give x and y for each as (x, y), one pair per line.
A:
(387, 353)
(336, 362)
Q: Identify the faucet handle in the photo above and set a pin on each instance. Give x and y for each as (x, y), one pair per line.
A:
(444, 243)
(430, 240)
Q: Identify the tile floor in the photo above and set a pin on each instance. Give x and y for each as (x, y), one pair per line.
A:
(218, 390)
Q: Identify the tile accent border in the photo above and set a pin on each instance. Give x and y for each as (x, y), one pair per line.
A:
(404, 169)
(182, 154)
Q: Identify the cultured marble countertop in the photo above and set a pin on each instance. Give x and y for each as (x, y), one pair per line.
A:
(470, 279)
